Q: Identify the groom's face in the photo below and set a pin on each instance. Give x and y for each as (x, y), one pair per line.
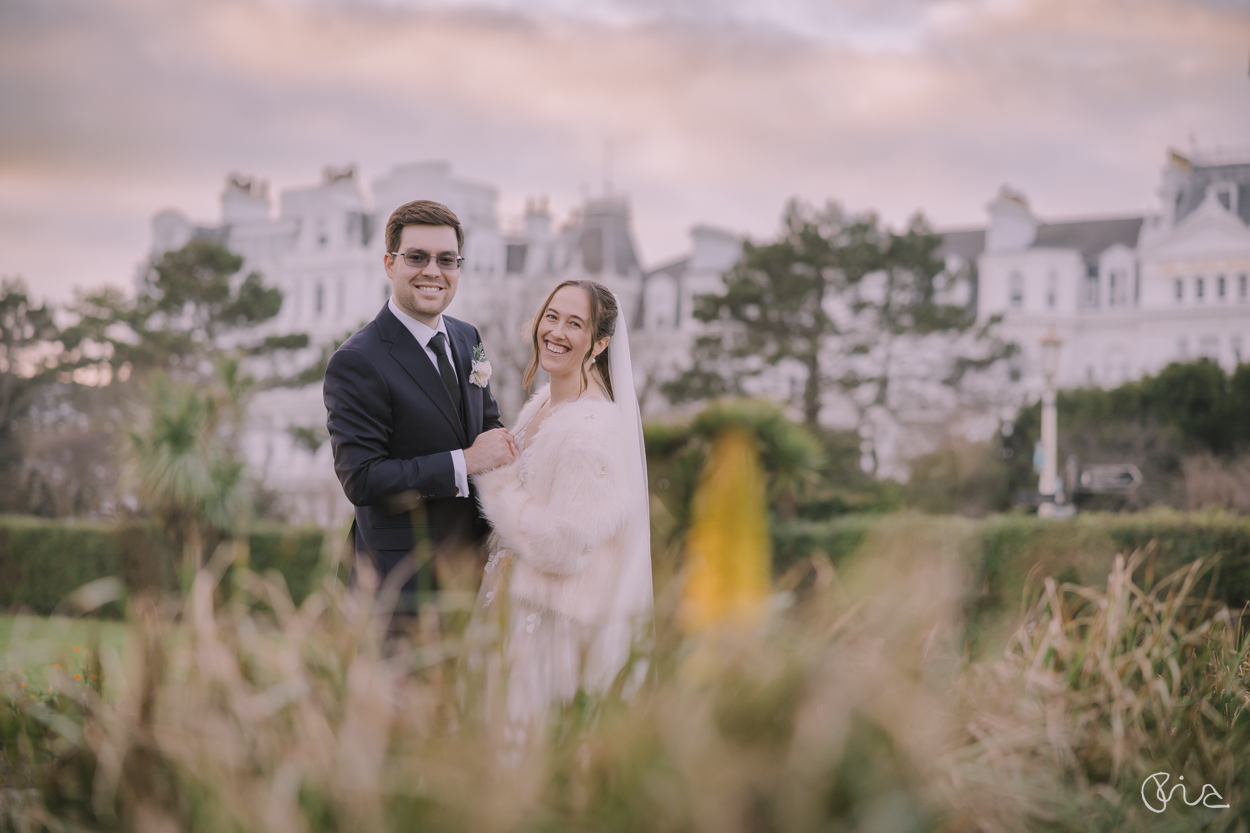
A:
(425, 292)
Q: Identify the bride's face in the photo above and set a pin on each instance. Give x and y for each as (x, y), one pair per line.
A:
(564, 332)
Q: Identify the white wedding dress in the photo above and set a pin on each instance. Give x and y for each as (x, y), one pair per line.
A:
(568, 624)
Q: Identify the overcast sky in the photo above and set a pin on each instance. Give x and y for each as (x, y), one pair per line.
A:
(717, 111)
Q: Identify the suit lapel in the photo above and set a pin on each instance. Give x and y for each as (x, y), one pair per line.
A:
(462, 355)
(412, 358)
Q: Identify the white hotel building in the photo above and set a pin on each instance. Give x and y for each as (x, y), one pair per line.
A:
(1126, 295)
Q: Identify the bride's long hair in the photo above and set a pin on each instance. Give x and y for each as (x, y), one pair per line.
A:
(603, 313)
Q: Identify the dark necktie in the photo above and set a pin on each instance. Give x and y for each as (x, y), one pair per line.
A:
(439, 345)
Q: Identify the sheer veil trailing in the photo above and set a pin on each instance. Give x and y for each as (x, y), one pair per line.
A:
(630, 615)
(546, 657)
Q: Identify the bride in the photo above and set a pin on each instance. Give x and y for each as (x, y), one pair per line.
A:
(570, 554)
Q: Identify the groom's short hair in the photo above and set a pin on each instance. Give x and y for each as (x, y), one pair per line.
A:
(421, 213)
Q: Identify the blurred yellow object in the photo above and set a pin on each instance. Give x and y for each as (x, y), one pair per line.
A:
(728, 553)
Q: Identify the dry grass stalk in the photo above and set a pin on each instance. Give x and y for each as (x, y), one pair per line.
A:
(836, 713)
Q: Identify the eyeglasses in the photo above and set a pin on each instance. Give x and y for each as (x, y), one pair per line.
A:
(419, 260)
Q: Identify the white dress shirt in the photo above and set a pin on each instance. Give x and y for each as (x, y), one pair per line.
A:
(423, 334)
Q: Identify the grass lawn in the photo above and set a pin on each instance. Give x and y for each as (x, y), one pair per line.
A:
(37, 647)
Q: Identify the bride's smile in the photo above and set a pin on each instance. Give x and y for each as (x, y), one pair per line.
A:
(564, 333)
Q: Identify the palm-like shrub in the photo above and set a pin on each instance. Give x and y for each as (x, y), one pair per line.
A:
(181, 462)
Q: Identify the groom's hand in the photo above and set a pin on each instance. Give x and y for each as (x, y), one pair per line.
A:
(490, 450)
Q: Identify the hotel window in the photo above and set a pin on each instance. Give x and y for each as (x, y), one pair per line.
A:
(1226, 193)
(1219, 287)
(1180, 290)
(1017, 290)
(320, 298)
(1241, 287)
(1199, 288)
(1117, 288)
(1182, 349)
(1052, 290)
(1209, 348)
(1136, 284)
(1091, 286)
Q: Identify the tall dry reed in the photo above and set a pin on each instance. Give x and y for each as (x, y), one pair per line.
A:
(850, 707)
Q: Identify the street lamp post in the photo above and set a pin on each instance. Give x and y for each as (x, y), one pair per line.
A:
(1047, 484)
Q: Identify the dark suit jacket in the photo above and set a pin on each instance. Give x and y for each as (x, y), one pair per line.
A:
(393, 426)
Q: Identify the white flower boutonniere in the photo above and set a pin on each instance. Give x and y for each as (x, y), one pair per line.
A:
(481, 367)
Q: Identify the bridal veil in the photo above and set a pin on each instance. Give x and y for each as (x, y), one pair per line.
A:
(630, 614)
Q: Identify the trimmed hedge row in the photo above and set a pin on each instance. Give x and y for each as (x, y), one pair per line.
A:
(43, 561)
(1013, 553)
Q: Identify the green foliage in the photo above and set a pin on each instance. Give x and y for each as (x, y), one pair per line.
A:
(849, 709)
(190, 309)
(186, 476)
(837, 539)
(30, 361)
(809, 474)
(1019, 550)
(960, 478)
(1153, 423)
(44, 561)
(1135, 680)
(833, 287)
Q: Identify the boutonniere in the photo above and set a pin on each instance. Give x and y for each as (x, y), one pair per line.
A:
(481, 367)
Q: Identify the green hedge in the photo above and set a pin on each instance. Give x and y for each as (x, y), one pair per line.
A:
(1013, 554)
(1082, 550)
(837, 538)
(43, 561)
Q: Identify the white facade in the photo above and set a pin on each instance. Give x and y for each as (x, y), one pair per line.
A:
(324, 251)
(1126, 296)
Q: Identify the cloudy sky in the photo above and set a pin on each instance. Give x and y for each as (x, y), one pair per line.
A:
(717, 111)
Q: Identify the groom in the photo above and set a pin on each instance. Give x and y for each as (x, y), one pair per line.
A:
(410, 412)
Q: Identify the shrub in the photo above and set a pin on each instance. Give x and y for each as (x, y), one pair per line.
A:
(849, 710)
(1019, 551)
(43, 561)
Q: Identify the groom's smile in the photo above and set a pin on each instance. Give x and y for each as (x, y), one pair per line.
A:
(425, 290)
